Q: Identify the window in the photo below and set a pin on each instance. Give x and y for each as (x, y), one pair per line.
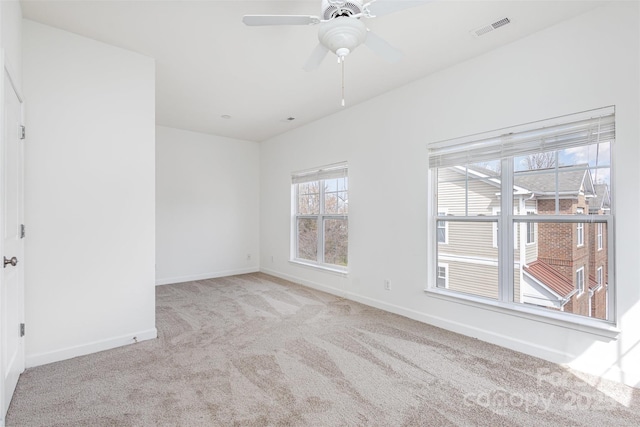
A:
(580, 233)
(442, 281)
(580, 280)
(320, 220)
(519, 252)
(599, 276)
(600, 239)
(495, 212)
(442, 229)
(531, 230)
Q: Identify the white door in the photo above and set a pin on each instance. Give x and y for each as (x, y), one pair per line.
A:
(11, 245)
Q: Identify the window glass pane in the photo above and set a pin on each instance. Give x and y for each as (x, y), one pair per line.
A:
(307, 239)
(469, 190)
(471, 258)
(335, 196)
(559, 275)
(545, 160)
(335, 241)
(309, 198)
(441, 280)
(594, 155)
(567, 179)
(451, 191)
(441, 231)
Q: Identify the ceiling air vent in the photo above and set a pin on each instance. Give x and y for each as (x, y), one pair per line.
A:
(490, 27)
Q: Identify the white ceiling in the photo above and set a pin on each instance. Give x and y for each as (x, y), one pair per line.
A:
(209, 64)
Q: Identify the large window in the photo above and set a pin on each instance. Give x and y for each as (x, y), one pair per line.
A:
(536, 249)
(320, 218)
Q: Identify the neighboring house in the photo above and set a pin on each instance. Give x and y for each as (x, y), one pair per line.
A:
(557, 265)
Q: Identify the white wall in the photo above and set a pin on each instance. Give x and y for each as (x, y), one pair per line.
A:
(588, 62)
(11, 38)
(89, 207)
(207, 206)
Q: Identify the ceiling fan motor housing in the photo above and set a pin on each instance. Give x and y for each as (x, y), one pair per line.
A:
(335, 8)
(342, 33)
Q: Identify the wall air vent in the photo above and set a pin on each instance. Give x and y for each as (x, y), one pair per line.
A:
(490, 27)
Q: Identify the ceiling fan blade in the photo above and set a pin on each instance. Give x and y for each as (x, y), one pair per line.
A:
(259, 20)
(385, 7)
(316, 58)
(381, 47)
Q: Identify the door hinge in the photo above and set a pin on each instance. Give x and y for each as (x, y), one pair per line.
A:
(22, 231)
(21, 329)
(23, 132)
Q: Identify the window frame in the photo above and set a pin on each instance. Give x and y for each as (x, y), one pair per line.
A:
(505, 302)
(319, 175)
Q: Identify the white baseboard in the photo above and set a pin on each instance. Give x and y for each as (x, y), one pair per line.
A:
(518, 345)
(308, 283)
(521, 346)
(33, 360)
(204, 276)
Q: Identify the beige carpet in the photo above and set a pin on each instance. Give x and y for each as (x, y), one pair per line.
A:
(254, 350)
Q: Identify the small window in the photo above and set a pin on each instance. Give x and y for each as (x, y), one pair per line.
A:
(600, 237)
(442, 280)
(531, 230)
(599, 276)
(580, 280)
(442, 229)
(580, 233)
(320, 220)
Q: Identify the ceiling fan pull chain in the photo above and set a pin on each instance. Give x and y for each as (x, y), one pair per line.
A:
(342, 62)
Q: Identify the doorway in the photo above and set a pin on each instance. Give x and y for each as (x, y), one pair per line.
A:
(12, 361)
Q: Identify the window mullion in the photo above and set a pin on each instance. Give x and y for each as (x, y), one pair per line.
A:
(505, 230)
(321, 222)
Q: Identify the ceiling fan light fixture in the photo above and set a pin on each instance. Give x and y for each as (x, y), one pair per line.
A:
(342, 33)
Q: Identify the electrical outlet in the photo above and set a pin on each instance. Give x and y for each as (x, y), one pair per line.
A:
(387, 284)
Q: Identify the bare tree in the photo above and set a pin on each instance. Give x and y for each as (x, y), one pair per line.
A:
(541, 160)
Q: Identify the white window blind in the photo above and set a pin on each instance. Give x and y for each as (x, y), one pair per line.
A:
(337, 170)
(591, 127)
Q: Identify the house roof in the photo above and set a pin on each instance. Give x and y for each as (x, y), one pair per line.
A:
(602, 199)
(571, 180)
(549, 277)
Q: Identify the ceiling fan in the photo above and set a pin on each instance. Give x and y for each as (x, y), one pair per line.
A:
(341, 29)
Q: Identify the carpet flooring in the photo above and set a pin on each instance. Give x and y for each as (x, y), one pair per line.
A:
(255, 350)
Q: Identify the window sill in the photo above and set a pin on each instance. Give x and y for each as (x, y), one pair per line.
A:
(330, 269)
(597, 327)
